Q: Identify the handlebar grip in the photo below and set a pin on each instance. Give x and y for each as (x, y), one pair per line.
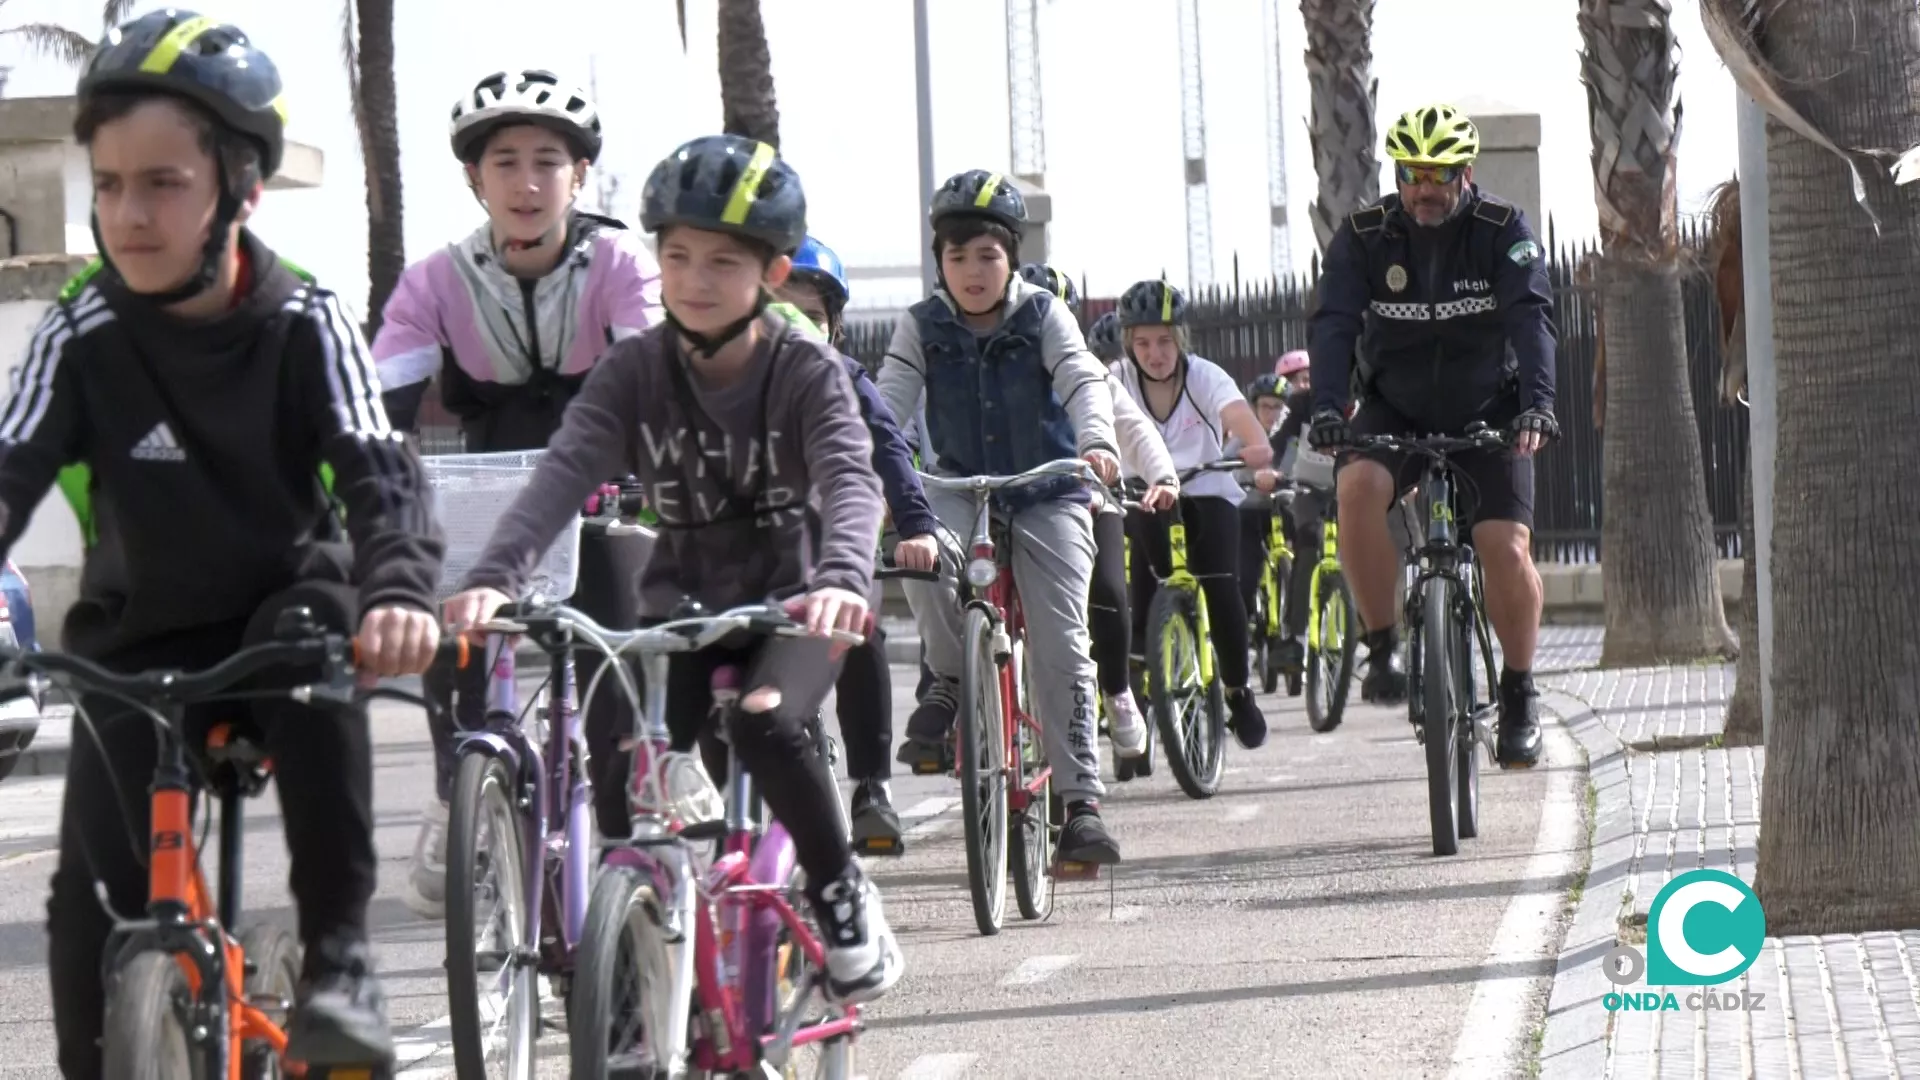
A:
(902, 573)
(454, 649)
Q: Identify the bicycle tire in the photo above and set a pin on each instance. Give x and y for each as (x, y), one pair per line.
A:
(617, 928)
(983, 774)
(273, 957)
(144, 1037)
(1271, 675)
(1030, 840)
(483, 794)
(1262, 647)
(1466, 744)
(1436, 683)
(1330, 670)
(1197, 770)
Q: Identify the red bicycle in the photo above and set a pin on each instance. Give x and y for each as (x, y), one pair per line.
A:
(1006, 786)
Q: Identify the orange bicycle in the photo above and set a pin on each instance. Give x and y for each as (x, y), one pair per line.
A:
(187, 998)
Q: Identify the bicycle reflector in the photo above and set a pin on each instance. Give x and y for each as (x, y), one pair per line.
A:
(982, 571)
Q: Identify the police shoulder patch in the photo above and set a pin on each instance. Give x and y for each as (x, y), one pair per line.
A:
(1369, 220)
(1524, 252)
(1489, 210)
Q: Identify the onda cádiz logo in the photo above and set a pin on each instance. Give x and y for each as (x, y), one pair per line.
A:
(1705, 928)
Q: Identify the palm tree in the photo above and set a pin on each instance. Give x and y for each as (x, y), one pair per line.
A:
(1662, 597)
(747, 103)
(366, 49)
(1729, 287)
(1341, 90)
(64, 44)
(1839, 850)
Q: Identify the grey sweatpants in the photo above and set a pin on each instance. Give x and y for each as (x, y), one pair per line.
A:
(1052, 561)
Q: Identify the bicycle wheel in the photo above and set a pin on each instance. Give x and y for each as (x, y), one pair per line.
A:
(622, 983)
(145, 1037)
(1030, 840)
(1466, 743)
(1437, 645)
(273, 960)
(983, 774)
(1330, 655)
(1262, 645)
(793, 981)
(1191, 716)
(492, 986)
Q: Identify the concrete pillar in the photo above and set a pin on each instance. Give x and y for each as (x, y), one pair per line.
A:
(45, 178)
(1034, 245)
(1509, 165)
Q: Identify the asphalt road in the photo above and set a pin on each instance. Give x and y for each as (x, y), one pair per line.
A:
(1296, 925)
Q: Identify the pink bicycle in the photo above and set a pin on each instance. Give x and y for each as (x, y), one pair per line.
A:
(683, 969)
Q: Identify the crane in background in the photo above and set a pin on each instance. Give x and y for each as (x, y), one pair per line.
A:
(1193, 130)
(1282, 238)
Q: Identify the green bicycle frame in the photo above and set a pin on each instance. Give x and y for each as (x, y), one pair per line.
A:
(1329, 564)
(1270, 584)
(1181, 578)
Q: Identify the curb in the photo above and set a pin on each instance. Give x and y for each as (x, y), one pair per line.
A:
(1574, 1043)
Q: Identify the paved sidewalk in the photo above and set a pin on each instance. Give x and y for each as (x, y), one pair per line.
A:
(1843, 1005)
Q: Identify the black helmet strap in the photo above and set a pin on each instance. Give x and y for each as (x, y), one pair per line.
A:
(226, 210)
(708, 344)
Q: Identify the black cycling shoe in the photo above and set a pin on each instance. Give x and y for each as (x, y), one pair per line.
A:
(340, 1012)
(1386, 680)
(928, 746)
(1085, 838)
(1291, 656)
(1518, 746)
(876, 827)
(1245, 719)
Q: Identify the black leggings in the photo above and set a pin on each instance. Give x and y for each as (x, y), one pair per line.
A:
(606, 592)
(1255, 521)
(1107, 618)
(323, 769)
(1213, 543)
(863, 698)
(1303, 532)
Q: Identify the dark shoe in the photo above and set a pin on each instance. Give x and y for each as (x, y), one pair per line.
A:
(1519, 744)
(876, 827)
(1386, 679)
(1085, 838)
(927, 747)
(1245, 719)
(340, 1012)
(1291, 656)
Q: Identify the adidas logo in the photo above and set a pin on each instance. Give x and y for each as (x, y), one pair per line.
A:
(158, 445)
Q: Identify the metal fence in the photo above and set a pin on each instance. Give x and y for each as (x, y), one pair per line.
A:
(1245, 326)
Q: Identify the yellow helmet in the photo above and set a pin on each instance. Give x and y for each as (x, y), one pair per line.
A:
(1433, 135)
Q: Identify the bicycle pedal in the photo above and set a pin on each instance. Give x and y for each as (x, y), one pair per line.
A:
(349, 1072)
(883, 846)
(929, 768)
(1076, 871)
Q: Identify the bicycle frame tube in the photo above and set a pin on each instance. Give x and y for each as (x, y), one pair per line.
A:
(566, 817)
(1181, 578)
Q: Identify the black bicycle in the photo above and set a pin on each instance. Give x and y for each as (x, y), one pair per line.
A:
(1445, 619)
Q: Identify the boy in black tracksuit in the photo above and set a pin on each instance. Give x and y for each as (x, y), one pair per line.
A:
(188, 391)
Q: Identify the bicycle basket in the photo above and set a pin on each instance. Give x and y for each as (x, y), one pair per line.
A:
(471, 492)
(1313, 469)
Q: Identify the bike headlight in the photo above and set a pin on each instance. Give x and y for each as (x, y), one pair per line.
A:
(982, 573)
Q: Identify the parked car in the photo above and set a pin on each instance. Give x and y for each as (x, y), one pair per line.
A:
(20, 717)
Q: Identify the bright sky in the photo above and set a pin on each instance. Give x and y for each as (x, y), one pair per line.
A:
(844, 76)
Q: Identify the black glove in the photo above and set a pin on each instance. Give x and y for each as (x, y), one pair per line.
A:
(1328, 430)
(1538, 421)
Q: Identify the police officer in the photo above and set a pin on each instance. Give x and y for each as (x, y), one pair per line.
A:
(1444, 290)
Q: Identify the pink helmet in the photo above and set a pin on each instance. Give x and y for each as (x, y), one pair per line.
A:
(1291, 363)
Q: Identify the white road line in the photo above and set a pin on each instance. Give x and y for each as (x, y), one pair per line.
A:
(1494, 1030)
(930, 807)
(938, 1066)
(1037, 969)
(1280, 777)
(1241, 813)
(1126, 913)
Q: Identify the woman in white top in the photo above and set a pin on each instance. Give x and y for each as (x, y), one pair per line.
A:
(1199, 411)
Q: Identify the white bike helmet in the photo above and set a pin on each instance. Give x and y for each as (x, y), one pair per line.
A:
(524, 97)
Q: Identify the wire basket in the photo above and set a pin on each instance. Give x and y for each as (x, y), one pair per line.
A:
(471, 492)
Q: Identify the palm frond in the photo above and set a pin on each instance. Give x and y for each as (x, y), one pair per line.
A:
(115, 12)
(680, 13)
(57, 42)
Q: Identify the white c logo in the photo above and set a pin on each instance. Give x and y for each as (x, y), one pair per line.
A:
(1673, 921)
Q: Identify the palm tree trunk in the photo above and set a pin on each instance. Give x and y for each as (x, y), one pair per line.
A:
(747, 105)
(378, 118)
(1340, 91)
(1662, 595)
(1839, 839)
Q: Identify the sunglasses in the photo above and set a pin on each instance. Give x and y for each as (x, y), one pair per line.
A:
(1428, 174)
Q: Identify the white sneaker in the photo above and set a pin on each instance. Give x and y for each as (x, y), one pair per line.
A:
(863, 957)
(1125, 726)
(426, 892)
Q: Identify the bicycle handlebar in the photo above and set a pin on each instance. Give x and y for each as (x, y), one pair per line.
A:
(1435, 446)
(690, 634)
(1052, 470)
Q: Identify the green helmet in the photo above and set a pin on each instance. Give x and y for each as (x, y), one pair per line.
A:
(1433, 135)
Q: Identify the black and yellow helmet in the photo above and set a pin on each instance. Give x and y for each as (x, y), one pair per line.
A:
(207, 61)
(1152, 303)
(1433, 135)
(1040, 275)
(730, 184)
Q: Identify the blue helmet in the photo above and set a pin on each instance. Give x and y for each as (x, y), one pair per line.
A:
(817, 265)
